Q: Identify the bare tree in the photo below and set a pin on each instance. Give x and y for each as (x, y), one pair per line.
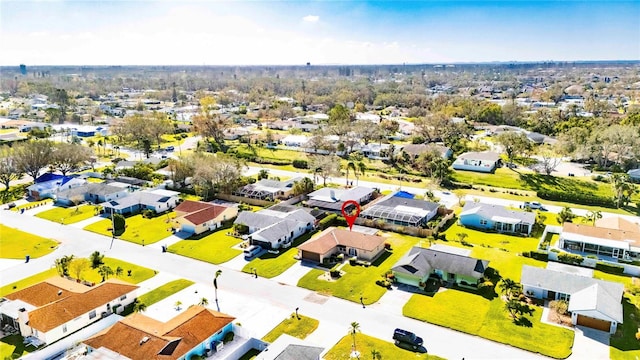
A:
(325, 166)
(9, 169)
(69, 157)
(31, 157)
(550, 161)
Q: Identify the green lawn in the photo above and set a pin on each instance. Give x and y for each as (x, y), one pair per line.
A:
(509, 264)
(16, 244)
(359, 281)
(215, 248)
(138, 274)
(473, 314)
(138, 228)
(271, 265)
(297, 327)
(11, 347)
(624, 344)
(163, 291)
(365, 343)
(69, 215)
(517, 244)
(503, 178)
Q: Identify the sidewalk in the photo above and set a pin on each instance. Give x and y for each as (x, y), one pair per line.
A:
(86, 222)
(160, 279)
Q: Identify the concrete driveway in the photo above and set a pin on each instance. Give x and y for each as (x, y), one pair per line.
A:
(293, 274)
(590, 344)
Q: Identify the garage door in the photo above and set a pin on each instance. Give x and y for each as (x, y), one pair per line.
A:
(310, 256)
(594, 323)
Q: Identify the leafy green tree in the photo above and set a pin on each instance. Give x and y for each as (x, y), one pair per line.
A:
(514, 143)
(97, 259)
(139, 306)
(119, 224)
(622, 189)
(565, 215)
(105, 271)
(303, 186)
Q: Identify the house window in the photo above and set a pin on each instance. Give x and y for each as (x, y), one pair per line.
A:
(123, 297)
(92, 314)
(483, 222)
(564, 297)
(64, 328)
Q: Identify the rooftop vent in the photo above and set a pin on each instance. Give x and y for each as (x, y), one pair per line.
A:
(59, 292)
(144, 340)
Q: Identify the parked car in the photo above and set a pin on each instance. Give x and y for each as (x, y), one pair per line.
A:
(252, 251)
(170, 148)
(407, 337)
(533, 205)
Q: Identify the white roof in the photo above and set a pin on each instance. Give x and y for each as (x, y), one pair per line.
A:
(12, 308)
(412, 210)
(163, 192)
(506, 220)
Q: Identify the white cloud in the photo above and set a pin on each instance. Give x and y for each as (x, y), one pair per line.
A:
(311, 18)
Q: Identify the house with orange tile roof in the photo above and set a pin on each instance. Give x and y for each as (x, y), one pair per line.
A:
(333, 241)
(619, 238)
(197, 217)
(196, 331)
(57, 307)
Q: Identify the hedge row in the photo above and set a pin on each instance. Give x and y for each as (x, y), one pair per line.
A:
(576, 198)
(300, 164)
(538, 255)
(568, 258)
(327, 221)
(609, 268)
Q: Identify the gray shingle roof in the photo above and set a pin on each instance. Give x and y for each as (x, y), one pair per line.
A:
(421, 262)
(484, 155)
(257, 220)
(488, 211)
(279, 230)
(140, 197)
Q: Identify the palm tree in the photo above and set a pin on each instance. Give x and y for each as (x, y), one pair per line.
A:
(119, 271)
(362, 167)
(215, 282)
(375, 354)
(513, 307)
(177, 304)
(593, 216)
(203, 302)
(508, 286)
(565, 215)
(622, 189)
(139, 306)
(353, 330)
(352, 166)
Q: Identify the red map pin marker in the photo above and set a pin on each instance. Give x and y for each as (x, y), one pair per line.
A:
(350, 218)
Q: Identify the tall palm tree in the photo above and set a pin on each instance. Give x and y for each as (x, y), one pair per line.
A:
(593, 216)
(353, 330)
(352, 166)
(362, 168)
(508, 286)
(215, 282)
(203, 302)
(622, 189)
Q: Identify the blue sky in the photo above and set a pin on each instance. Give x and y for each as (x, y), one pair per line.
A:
(321, 32)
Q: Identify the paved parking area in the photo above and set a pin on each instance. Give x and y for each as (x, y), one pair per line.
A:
(590, 344)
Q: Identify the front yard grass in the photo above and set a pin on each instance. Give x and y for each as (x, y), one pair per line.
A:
(271, 265)
(366, 343)
(139, 229)
(297, 327)
(163, 291)
(69, 215)
(215, 248)
(11, 347)
(475, 315)
(16, 244)
(359, 281)
(624, 345)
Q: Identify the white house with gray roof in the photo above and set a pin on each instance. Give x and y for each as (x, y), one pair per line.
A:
(485, 161)
(592, 302)
(268, 189)
(157, 200)
(93, 192)
(497, 218)
(273, 229)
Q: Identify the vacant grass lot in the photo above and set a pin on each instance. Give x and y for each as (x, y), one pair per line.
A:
(16, 244)
(138, 274)
(69, 215)
(11, 347)
(163, 291)
(360, 281)
(511, 243)
(473, 314)
(271, 265)
(215, 248)
(300, 328)
(138, 228)
(365, 343)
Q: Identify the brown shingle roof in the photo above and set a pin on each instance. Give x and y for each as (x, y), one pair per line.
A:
(59, 312)
(189, 206)
(47, 291)
(191, 327)
(207, 214)
(618, 223)
(332, 237)
(602, 233)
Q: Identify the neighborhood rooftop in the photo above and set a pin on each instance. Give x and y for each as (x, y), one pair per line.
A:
(498, 213)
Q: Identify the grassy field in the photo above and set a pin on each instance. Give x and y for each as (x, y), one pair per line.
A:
(215, 248)
(271, 265)
(11, 347)
(69, 215)
(163, 291)
(476, 315)
(365, 344)
(299, 327)
(16, 244)
(138, 228)
(359, 281)
(511, 243)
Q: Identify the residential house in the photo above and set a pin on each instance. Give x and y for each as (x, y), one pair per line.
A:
(618, 239)
(634, 175)
(49, 189)
(198, 331)
(333, 199)
(450, 264)
(415, 150)
(156, 200)
(497, 218)
(400, 210)
(295, 140)
(197, 217)
(268, 189)
(57, 307)
(272, 229)
(287, 347)
(333, 241)
(91, 192)
(486, 161)
(376, 151)
(592, 302)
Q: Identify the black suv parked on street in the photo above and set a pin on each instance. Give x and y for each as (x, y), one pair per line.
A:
(407, 337)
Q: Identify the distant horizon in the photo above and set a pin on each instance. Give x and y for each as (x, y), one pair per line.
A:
(331, 33)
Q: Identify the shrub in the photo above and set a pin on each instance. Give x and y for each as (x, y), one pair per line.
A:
(591, 257)
(228, 337)
(329, 220)
(541, 255)
(555, 250)
(147, 213)
(568, 258)
(334, 272)
(300, 164)
(609, 268)
(559, 306)
(383, 283)
(485, 285)
(340, 257)
(353, 260)
(638, 336)
(118, 224)
(576, 198)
